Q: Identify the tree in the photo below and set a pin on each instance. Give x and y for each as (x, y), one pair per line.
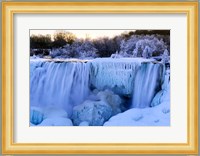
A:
(40, 41)
(165, 56)
(143, 46)
(87, 50)
(78, 49)
(106, 46)
(62, 38)
(147, 52)
(40, 44)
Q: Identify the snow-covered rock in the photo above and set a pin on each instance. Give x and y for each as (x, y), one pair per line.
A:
(93, 112)
(164, 94)
(151, 116)
(95, 91)
(161, 96)
(55, 112)
(112, 99)
(36, 115)
(56, 121)
(93, 95)
(84, 123)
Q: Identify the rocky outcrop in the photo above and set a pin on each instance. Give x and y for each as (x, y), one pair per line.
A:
(93, 112)
(112, 99)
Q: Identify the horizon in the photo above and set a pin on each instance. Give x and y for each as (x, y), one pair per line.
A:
(83, 34)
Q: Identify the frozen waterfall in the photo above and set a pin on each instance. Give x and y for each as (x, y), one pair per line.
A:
(147, 83)
(68, 83)
(62, 85)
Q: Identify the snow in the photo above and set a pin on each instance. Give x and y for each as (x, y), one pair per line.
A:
(50, 116)
(84, 123)
(142, 46)
(93, 112)
(56, 121)
(151, 116)
(156, 115)
(164, 94)
(55, 112)
(122, 60)
(165, 56)
(78, 49)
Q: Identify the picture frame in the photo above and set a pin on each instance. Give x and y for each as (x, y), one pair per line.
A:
(9, 9)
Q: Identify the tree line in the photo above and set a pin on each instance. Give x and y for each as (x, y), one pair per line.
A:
(132, 43)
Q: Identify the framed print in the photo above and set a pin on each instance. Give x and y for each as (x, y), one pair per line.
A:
(100, 77)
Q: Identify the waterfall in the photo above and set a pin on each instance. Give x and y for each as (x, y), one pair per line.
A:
(147, 83)
(115, 74)
(67, 84)
(62, 85)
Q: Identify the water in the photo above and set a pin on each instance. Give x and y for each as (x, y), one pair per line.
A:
(147, 83)
(62, 85)
(65, 85)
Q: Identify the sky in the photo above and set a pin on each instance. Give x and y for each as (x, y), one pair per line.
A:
(83, 33)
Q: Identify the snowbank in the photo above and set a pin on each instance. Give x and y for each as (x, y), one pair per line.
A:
(56, 121)
(152, 116)
(50, 116)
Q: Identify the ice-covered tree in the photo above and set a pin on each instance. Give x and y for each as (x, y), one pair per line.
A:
(165, 56)
(87, 50)
(142, 46)
(78, 49)
(147, 52)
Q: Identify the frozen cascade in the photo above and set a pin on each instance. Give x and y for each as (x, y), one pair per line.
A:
(61, 85)
(115, 74)
(147, 83)
(66, 84)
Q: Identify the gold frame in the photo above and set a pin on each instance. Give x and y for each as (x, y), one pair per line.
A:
(11, 8)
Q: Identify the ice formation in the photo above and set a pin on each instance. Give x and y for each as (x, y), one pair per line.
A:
(164, 94)
(61, 85)
(66, 84)
(138, 78)
(115, 74)
(93, 112)
(36, 115)
(147, 83)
